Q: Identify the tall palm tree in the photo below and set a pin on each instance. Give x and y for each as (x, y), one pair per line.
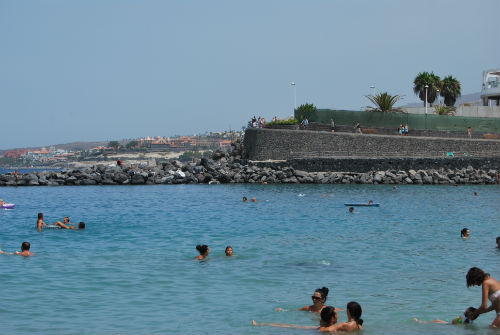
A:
(450, 90)
(430, 79)
(384, 102)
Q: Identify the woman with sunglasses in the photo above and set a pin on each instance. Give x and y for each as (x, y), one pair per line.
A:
(319, 299)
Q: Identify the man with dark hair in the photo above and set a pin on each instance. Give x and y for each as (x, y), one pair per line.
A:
(25, 250)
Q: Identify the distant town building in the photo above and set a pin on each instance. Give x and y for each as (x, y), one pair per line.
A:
(490, 94)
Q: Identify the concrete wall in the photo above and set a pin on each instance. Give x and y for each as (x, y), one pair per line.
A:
(466, 111)
(277, 144)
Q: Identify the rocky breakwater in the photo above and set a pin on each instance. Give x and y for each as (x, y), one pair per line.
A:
(222, 169)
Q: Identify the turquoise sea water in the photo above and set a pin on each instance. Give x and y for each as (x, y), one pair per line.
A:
(132, 270)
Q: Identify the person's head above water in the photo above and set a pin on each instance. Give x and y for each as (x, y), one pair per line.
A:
(351, 209)
(25, 246)
(469, 315)
(465, 232)
(81, 225)
(320, 295)
(40, 216)
(328, 316)
(229, 250)
(476, 276)
(253, 199)
(370, 202)
(245, 199)
(354, 311)
(66, 219)
(498, 242)
(203, 249)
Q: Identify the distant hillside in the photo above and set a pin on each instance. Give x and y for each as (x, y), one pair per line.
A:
(474, 98)
(73, 146)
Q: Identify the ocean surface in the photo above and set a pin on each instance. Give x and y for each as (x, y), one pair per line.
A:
(132, 271)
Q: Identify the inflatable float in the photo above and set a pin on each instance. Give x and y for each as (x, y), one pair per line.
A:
(7, 206)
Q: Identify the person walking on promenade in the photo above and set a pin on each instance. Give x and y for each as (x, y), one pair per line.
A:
(469, 132)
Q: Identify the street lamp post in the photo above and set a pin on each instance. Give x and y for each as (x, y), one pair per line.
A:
(373, 89)
(437, 96)
(294, 96)
(426, 87)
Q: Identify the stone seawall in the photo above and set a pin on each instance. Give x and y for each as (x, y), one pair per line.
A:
(278, 144)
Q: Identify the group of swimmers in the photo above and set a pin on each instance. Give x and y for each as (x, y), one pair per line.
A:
(66, 224)
(328, 314)
(204, 250)
(246, 200)
(40, 224)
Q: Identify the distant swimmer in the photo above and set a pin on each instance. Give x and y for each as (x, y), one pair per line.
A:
(204, 250)
(25, 250)
(328, 318)
(351, 209)
(498, 242)
(253, 199)
(465, 233)
(475, 194)
(229, 251)
(65, 224)
(394, 187)
(490, 291)
(245, 199)
(318, 298)
(370, 202)
(464, 319)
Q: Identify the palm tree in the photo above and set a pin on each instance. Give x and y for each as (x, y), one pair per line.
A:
(384, 102)
(450, 90)
(432, 81)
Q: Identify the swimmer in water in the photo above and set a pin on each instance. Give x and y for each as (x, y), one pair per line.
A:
(65, 224)
(351, 209)
(464, 319)
(318, 298)
(475, 193)
(498, 242)
(245, 199)
(354, 321)
(328, 315)
(229, 251)
(394, 187)
(253, 199)
(204, 250)
(39, 222)
(370, 202)
(465, 233)
(490, 291)
(25, 250)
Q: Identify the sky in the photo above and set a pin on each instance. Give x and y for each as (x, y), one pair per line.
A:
(98, 70)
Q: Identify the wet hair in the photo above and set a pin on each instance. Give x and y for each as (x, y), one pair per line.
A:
(228, 247)
(467, 312)
(245, 199)
(323, 291)
(498, 239)
(40, 215)
(355, 310)
(81, 225)
(327, 313)
(476, 276)
(463, 232)
(25, 246)
(351, 209)
(202, 249)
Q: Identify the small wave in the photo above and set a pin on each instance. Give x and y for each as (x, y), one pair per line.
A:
(301, 195)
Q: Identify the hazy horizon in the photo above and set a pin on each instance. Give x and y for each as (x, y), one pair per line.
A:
(100, 71)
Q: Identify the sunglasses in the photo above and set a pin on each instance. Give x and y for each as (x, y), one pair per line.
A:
(315, 297)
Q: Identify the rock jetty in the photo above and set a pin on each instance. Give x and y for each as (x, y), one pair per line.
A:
(224, 168)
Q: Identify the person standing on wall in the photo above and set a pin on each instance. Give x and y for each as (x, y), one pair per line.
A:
(469, 132)
(332, 125)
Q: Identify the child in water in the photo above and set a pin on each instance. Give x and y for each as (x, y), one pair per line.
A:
(467, 318)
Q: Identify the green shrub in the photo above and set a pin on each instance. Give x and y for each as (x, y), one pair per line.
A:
(284, 122)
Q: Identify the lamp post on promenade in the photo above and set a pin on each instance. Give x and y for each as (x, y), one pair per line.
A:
(426, 87)
(373, 89)
(294, 96)
(437, 95)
